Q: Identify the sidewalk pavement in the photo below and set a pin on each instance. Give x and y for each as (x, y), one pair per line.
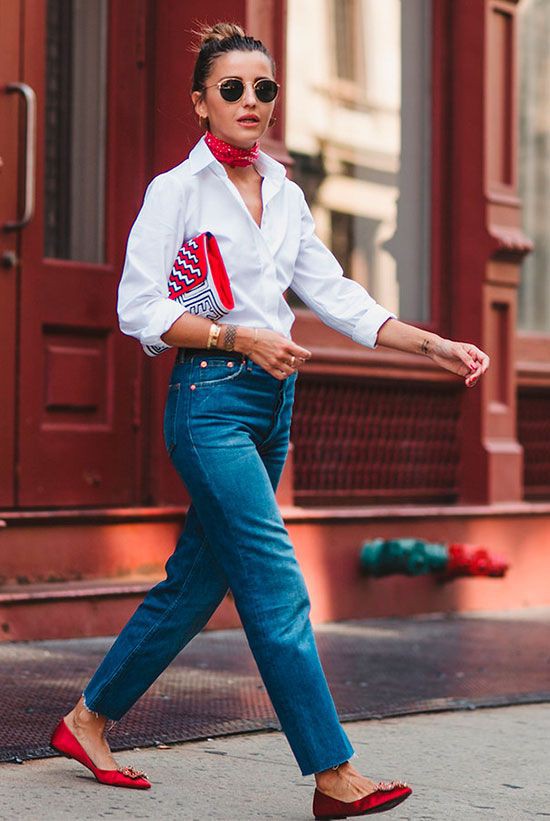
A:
(464, 765)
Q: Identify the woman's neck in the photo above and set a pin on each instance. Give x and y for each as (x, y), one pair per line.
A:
(242, 174)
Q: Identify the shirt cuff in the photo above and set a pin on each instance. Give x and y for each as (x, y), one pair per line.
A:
(366, 330)
(155, 350)
(168, 311)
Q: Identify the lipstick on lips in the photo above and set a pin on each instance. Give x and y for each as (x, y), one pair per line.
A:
(249, 120)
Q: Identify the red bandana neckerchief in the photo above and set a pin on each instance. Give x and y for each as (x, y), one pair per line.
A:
(231, 154)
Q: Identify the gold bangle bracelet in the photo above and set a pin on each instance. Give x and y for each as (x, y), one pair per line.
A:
(209, 340)
(213, 335)
(216, 336)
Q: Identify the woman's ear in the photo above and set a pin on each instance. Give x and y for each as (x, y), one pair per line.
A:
(199, 104)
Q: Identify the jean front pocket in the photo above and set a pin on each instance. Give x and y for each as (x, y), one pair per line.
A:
(215, 370)
(170, 416)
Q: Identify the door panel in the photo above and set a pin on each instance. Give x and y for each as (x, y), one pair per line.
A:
(79, 435)
(10, 160)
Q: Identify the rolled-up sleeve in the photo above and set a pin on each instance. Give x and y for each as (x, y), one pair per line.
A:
(144, 309)
(338, 301)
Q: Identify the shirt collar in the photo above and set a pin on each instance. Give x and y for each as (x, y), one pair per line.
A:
(200, 157)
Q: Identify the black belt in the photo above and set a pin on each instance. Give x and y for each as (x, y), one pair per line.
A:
(184, 354)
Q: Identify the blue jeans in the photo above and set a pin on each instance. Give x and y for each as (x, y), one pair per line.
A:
(226, 428)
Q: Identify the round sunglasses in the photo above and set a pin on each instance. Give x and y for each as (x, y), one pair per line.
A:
(232, 89)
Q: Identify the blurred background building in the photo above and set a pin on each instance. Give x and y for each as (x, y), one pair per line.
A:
(420, 133)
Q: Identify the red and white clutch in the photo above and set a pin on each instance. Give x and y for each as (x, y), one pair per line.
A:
(199, 281)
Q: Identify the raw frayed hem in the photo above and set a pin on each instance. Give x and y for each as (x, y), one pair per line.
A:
(335, 767)
(353, 755)
(86, 706)
(332, 766)
(110, 723)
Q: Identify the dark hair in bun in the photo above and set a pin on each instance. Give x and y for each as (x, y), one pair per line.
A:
(219, 39)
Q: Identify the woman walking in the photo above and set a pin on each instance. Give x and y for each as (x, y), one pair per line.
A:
(227, 420)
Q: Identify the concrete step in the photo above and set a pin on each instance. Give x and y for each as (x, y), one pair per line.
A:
(86, 607)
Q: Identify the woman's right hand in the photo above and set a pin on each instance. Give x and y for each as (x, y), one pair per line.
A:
(273, 351)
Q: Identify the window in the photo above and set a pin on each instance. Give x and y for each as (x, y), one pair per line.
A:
(347, 50)
(364, 162)
(534, 162)
(75, 128)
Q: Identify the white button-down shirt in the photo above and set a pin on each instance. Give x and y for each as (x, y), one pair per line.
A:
(261, 261)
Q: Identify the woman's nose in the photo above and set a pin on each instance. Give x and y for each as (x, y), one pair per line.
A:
(249, 95)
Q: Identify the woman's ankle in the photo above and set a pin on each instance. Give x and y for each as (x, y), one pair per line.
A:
(81, 704)
(333, 774)
(84, 717)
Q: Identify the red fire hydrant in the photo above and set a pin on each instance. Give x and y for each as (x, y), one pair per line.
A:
(470, 560)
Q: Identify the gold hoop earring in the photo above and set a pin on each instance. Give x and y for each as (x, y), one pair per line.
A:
(272, 122)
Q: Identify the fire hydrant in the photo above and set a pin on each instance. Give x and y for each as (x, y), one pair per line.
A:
(415, 557)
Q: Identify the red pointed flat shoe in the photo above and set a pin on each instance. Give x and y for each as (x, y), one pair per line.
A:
(65, 742)
(386, 796)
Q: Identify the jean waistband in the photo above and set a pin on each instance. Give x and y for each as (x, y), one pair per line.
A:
(184, 354)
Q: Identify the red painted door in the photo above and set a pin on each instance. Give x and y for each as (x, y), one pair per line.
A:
(74, 401)
(9, 61)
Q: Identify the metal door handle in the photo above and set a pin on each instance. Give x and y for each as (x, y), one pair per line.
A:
(30, 152)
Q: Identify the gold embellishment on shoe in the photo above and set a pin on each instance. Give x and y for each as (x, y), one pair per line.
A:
(386, 786)
(131, 772)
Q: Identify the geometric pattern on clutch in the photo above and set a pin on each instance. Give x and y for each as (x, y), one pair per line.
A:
(187, 272)
(199, 279)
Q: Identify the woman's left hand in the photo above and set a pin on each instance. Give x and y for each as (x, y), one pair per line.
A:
(461, 358)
